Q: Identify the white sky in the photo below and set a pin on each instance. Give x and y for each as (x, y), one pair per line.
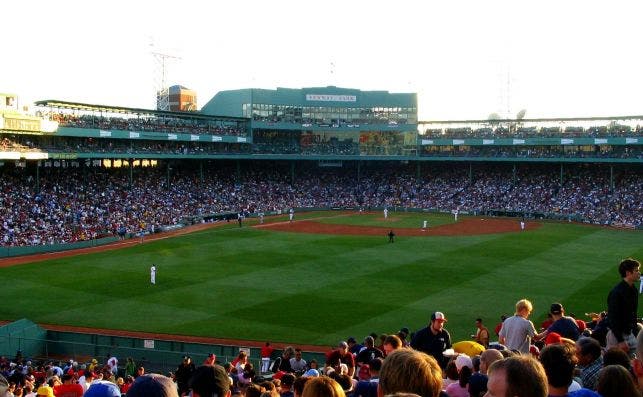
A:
(465, 59)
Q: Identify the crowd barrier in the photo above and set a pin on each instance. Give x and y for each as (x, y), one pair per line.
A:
(156, 355)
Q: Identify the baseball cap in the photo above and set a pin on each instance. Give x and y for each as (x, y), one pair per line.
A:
(552, 338)
(556, 308)
(311, 373)
(438, 316)
(102, 388)
(351, 340)
(463, 361)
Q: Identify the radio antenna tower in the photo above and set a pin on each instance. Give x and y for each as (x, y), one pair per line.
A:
(162, 90)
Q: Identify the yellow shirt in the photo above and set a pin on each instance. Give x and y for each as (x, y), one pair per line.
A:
(45, 391)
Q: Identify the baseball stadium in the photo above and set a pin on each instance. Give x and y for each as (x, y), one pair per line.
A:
(300, 217)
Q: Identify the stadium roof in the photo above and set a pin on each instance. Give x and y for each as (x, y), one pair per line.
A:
(119, 109)
(487, 121)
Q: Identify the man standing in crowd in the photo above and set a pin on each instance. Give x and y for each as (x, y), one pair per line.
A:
(433, 339)
(482, 334)
(562, 325)
(266, 352)
(622, 306)
(341, 355)
(184, 373)
(517, 330)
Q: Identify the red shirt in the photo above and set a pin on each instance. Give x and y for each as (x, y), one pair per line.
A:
(266, 351)
(68, 390)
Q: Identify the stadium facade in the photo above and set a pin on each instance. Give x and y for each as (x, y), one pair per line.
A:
(324, 120)
(362, 148)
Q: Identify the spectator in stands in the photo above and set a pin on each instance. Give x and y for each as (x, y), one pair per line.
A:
(369, 352)
(368, 388)
(482, 333)
(153, 385)
(183, 374)
(517, 376)
(209, 380)
(616, 381)
(622, 308)
(390, 344)
(68, 387)
(322, 386)
(464, 366)
(563, 325)
(266, 353)
(410, 371)
(282, 363)
(287, 382)
(102, 388)
(478, 381)
(559, 363)
(517, 330)
(341, 355)
(433, 339)
(297, 363)
(590, 361)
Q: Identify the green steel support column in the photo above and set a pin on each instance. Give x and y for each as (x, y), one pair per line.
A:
(238, 178)
(131, 173)
(38, 177)
(470, 173)
(359, 170)
(417, 171)
(561, 174)
(514, 174)
(201, 171)
(168, 176)
(611, 178)
(292, 172)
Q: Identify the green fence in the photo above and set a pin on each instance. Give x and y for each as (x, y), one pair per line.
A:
(43, 249)
(156, 355)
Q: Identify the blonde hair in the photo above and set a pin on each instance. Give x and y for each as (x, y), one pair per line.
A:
(410, 371)
(322, 386)
(524, 304)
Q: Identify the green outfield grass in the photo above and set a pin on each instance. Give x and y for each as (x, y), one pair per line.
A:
(250, 283)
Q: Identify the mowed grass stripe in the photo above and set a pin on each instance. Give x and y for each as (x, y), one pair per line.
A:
(251, 283)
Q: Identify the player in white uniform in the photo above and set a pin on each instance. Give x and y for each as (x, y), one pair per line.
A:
(153, 274)
(385, 213)
(291, 214)
(522, 225)
(425, 224)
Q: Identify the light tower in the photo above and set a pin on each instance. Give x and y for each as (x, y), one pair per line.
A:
(162, 90)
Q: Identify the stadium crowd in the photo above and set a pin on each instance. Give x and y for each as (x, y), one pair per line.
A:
(566, 357)
(148, 124)
(79, 202)
(516, 130)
